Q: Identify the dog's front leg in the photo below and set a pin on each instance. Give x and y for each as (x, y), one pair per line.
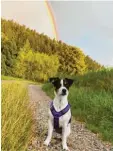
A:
(50, 131)
(64, 137)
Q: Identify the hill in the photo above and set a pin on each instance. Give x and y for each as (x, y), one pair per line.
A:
(14, 37)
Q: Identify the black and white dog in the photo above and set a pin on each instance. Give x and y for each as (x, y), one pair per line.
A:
(59, 112)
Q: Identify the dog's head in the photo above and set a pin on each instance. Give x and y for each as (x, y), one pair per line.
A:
(61, 85)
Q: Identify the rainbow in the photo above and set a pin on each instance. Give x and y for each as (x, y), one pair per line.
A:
(52, 19)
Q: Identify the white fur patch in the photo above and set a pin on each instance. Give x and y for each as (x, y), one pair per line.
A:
(61, 82)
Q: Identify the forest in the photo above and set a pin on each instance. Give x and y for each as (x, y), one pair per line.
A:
(30, 55)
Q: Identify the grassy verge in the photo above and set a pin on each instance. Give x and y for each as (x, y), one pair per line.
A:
(9, 78)
(18, 79)
(16, 117)
(92, 102)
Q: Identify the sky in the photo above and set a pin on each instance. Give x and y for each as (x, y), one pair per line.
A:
(32, 14)
(86, 24)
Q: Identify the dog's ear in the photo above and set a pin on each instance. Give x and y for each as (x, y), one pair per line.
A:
(69, 81)
(53, 80)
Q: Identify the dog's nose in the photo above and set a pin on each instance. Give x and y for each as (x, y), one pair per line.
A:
(64, 91)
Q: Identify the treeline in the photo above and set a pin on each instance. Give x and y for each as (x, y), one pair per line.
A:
(28, 54)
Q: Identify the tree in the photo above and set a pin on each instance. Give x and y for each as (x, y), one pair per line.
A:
(9, 52)
(35, 66)
(92, 65)
(72, 60)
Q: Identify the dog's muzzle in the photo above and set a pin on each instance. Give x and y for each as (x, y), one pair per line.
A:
(64, 91)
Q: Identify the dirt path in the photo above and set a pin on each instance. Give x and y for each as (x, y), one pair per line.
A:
(80, 139)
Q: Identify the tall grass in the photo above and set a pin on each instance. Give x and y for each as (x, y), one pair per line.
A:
(16, 117)
(91, 99)
(101, 80)
(95, 108)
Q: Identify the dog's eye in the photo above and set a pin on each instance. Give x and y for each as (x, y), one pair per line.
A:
(65, 83)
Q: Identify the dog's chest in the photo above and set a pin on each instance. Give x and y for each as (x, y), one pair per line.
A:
(64, 119)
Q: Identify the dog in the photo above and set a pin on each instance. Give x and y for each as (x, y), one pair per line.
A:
(60, 112)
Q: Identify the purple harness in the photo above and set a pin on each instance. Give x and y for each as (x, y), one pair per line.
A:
(57, 115)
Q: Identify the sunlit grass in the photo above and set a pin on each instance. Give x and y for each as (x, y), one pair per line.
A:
(6, 78)
(16, 117)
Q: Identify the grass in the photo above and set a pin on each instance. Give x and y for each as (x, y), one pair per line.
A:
(102, 80)
(18, 79)
(91, 99)
(16, 117)
(9, 78)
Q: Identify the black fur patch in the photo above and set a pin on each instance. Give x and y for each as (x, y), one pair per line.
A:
(67, 82)
(57, 82)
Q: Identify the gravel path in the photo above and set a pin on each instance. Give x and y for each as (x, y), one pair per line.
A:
(80, 139)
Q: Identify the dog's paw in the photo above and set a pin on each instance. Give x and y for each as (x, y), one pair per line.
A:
(65, 148)
(46, 142)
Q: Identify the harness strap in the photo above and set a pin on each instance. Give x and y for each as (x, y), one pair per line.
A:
(57, 115)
